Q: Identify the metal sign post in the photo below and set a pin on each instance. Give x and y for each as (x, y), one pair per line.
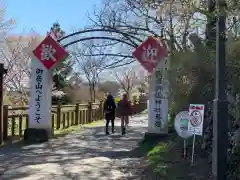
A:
(193, 149)
(195, 125)
(184, 148)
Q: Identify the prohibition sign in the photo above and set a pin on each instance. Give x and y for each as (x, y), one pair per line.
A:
(197, 118)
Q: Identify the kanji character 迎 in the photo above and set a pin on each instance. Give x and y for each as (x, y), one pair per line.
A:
(149, 54)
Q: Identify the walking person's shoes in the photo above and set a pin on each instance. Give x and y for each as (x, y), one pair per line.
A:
(113, 131)
(123, 130)
(106, 130)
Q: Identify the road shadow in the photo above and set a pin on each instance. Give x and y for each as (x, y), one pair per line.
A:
(89, 154)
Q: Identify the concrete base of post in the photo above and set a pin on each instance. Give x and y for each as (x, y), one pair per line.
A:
(35, 135)
(154, 136)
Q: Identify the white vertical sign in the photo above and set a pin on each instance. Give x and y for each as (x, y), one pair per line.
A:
(158, 101)
(195, 125)
(40, 96)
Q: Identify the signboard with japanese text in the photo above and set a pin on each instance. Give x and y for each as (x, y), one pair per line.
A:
(46, 55)
(150, 52)
(195, 125)
(158, 103)
(49, 52)
(181, 124)
(40, 96)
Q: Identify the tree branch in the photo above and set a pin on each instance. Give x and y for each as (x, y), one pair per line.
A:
(93, 38)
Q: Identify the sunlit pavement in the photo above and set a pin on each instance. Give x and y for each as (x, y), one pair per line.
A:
(85, 155)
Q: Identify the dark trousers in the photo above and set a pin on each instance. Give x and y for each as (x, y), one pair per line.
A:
(107, 124)
(110, 117)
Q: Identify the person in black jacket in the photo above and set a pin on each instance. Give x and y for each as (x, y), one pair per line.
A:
(109, 111)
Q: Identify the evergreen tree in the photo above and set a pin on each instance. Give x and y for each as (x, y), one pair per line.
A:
(63, 69)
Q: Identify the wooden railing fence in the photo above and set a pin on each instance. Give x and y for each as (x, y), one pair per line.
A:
(15, 119)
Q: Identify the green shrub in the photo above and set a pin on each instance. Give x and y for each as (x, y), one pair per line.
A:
(116, 99)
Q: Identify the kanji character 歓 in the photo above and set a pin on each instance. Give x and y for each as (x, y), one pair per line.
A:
(47, 52)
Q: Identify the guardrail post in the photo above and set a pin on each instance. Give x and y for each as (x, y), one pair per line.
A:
(58, 116)
(76, 114)
(101, 109)
(89, 112)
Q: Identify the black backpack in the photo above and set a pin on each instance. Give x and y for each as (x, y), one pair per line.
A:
(109, 106)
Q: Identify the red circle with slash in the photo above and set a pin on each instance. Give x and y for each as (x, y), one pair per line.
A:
(197, 118)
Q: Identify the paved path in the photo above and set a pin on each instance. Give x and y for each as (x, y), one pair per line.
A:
(86, 155)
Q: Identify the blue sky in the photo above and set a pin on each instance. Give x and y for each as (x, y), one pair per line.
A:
(40, 15)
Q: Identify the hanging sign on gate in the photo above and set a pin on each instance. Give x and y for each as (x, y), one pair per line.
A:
(49, 52)
(150, 52)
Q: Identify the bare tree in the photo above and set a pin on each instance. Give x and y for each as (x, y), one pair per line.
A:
(109, 86)
(75, 81)
(16, 53)
(120, 26)
(88, 66)
(128, 79)
(5, 25)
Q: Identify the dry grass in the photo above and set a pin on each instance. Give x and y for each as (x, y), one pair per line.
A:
(166, 161)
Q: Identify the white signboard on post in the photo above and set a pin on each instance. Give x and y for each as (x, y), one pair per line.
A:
(151, 54)
(40, 96)
(45, 56)
(181, 124)
(158, 102)
(195, 125)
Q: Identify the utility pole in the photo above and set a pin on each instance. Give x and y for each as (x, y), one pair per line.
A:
(220, 116)
(211, 26)
(2, 72)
